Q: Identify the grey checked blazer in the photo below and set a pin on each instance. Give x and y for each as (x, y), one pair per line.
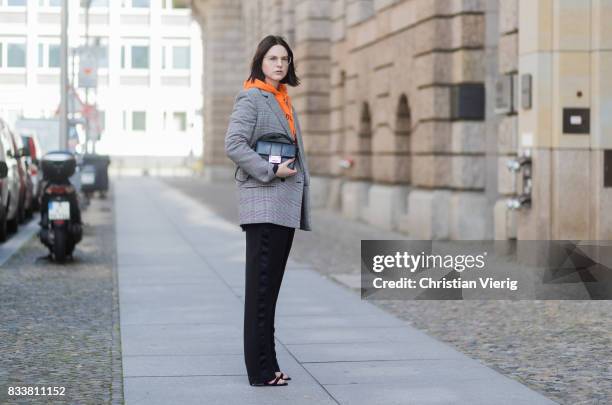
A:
(263, 197)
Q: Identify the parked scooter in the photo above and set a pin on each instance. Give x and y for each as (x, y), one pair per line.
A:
(60, 215)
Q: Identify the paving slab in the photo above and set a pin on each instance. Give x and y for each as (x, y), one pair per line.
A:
(181, 283)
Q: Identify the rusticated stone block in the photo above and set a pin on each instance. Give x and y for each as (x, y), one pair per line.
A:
(467, 31)
(429, 214)
(386, 204)
(468, 171)
(434, 103)
(433, 34)
(506, 180)
(468, 137)
(508, 16)
(313, 9)
(468, 65)
(507, 135)
(387, 141)
(508, 53)
(431, 137)
(315, 122)
(358, 11)
(389, 168)
(431, 171)
(468, 216)
(305, 49)
(313, 30)
(354, 197)
(311, 103)
(504, 221)
(433, 68)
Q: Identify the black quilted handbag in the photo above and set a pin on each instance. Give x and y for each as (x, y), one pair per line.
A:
(275, 148)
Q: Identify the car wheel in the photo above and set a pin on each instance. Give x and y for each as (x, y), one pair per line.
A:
(12, 224)
(3, 226)
(21, 213)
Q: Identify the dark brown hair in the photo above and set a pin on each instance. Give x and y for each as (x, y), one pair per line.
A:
(264, 46)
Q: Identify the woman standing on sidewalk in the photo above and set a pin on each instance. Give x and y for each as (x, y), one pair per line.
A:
(273, 198)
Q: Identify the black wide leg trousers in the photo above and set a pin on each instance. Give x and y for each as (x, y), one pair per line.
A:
(267, 249)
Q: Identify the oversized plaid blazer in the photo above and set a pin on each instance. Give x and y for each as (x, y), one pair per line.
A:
(263, 197)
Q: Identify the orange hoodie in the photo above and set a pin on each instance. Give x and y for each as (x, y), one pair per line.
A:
(281, 95)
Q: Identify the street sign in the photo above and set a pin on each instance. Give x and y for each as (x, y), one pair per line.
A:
(88, 67)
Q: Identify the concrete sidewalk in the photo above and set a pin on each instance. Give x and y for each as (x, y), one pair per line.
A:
(181, 282)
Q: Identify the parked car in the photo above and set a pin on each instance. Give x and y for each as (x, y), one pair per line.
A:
(28, 201)
(13, 185)
(33, 152)
(3, 198)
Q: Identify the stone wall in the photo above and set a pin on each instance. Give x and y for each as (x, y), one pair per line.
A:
(565, 46)
(376, 110)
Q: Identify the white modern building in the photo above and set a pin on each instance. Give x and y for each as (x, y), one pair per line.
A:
(149, 78)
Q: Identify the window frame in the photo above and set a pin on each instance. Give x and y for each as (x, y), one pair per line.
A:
(168, 121)
(125, 59)
(128, 5)
(127, 121)
(132, 129)
(46, 43)
(167, 7)
(167, 54)
(6, 7)
(44, 5)
(6, 42)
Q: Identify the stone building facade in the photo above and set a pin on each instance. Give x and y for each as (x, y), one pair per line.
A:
(411, 110)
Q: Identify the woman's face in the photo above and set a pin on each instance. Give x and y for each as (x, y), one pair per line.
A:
(275, 64)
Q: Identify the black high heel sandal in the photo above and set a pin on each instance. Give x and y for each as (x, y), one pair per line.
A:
(274, 383)
(285, 376)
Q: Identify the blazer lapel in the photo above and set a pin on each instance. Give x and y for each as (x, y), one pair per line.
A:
(273, 104)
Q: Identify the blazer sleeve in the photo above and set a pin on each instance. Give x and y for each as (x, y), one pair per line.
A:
(239, 132)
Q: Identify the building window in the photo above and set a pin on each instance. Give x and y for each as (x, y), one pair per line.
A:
(180, 54)
(99, 3)
(180, 57)
(140, 57)
(179, 121)
(49, 55)
(50, 3)
(175, 4)
(15, 55)
(136, 3)
(124, 120)
(139, 121)
(21, 3)
(135, 56)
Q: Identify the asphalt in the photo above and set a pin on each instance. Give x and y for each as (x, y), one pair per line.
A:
(181, 280)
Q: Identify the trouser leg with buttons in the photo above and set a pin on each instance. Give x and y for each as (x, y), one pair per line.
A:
(267, 249)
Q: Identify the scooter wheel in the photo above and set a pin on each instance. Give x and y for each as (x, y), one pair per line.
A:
(60, 245)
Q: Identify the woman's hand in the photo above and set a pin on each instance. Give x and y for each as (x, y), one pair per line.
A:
(284, 171)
